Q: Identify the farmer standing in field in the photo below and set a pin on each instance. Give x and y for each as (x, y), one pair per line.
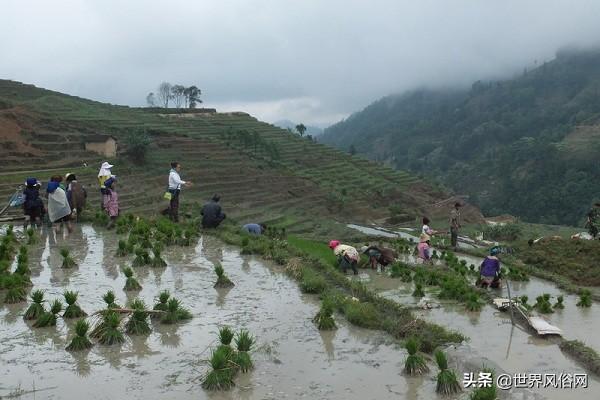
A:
(76, 195)
(174, 189)
(104, 174)
(455, 225)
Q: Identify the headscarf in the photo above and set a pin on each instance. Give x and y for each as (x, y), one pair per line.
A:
(494, 251)
(52, 186)
(105, 169)
(333, 244)
(31, 182)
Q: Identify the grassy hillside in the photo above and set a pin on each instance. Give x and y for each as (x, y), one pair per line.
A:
(262, 172)
(529, 146)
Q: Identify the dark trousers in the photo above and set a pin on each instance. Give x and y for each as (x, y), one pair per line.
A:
(454, 237)
(346, 263)
(173, 210)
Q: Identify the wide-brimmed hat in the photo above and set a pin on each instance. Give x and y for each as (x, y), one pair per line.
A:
(424, 237)
(333, 244)
(106, 165)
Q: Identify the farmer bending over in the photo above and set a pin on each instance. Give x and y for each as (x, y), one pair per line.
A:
(254, 229)
(379, 255)
(489, 271)
(212, 215)
(347, 255)
(424, 249)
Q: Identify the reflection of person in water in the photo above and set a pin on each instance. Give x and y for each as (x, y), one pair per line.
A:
(212, 250)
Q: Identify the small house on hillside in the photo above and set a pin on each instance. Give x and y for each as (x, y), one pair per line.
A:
(105, 145)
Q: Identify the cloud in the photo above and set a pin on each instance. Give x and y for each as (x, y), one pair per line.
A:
(310, 61)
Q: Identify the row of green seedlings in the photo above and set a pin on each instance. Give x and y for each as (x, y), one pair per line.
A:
(168, 309)
(226, 361)
(276, 250)
(14, 282)
(161, 230)
(544, 306)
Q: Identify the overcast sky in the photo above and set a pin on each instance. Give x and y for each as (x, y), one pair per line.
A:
(308, 61)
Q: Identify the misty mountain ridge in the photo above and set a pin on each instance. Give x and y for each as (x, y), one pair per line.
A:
(527, 146)
(287, 124)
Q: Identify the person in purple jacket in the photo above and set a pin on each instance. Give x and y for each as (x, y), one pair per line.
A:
(489, 271)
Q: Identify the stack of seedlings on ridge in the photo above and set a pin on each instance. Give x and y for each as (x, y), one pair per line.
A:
(48, 318)
(36, 308)
(68, 261)
(324, 318)
(138, 321)
(543, 304)
(131, 284)
(415, 363)
(585, 298)
(80, 341)
(447, 383)
(73, 310)
(222, 280)
(157, 260)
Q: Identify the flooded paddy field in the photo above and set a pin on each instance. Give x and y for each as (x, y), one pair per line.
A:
(293, 359)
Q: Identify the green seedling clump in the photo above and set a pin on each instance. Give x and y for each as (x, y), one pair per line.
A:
(418, 292)
(474, 303)
(543, 304)
(222, 373)
(49, 318)
(485, 392)
(80, 341)
(559, 302)
(142, 258)
(31, 239)
(324, 318)
(123, 249)
(36, 308)
(175, 312)
(131, 283)
(362, 314)
(73, 310)
(109, 299)
(15, 295)
(138, 321)
(68, 261)
(23, 263)
(312, 282)
(447, 383)
(161, 305)
(415, 363)
(225, 335)
(222, 280)
(244, 343)
(108, 332)
(585, 299)
(157, 260)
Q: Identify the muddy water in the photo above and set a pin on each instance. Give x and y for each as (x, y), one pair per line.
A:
(295, 360)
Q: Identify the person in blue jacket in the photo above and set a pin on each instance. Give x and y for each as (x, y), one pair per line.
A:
(254, 229)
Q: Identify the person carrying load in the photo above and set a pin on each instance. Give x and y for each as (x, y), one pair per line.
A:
(379, 255)
(489, 270)
(347, 256)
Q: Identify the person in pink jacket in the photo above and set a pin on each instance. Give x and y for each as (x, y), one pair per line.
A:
(110, 201)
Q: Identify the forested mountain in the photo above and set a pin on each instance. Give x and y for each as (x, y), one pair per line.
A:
(528, 146)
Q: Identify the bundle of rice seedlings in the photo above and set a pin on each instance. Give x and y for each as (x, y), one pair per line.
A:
(138, 321)
(145, 243)
(244, 343)
(415, 363)
(559, 302)
(585, 298)
(109, 299)
(68, 261)
(15, 294)
(49, 318)
(447, 383)
(109, 332)
(222, 373)
(222, 279)
(141, 258)
(474, 303)
(163, 298)
(23, 262)
(485, 392)
(131, 283)
(418, 292)
(35, 308)
(80, 341)
(31, 239)
(543, 304)
(131, 243)
(175, 312)
(312, 282)
(122, 250)
(157, 260)
(73, 310)
(324, 318)
(225, 335)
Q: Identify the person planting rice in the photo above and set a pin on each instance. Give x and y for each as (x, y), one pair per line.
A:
(111, 201)
(347, 255)
(426, 229)
(424, 249)
(379, 256)
(76, 195)
(59, 211)
(212, 215)
(104, 174)
(254, 229)
(489, 271)
(455, 225)
(174, 189)
(33, 206)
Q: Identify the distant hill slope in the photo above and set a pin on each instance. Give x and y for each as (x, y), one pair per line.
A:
(529, 146)
(263, 173)
(287, 124)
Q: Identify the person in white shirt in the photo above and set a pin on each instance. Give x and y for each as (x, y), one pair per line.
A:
(426, 230)
(175, 184)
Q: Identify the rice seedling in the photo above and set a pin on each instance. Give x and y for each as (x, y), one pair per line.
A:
(559, 302)
(175, 312)
(80, 341)
(15, 295)
(68, 261)
(138, 321)
(48, 318)
(324, 318)
(485, 392)
(73, 310)
(585, 298)
(31, 239)
(222, 373)
(131, 243)
(163, 298)
(222, 280)
(543, 304)
(312, 282)
(109, 299)
(142, 258)
(109, 332)
(362, 314)
(23, 262)
(145, 243)
(474, 302)
(447, 383)
(157, 260)
(122, 250)
(418, 292)
(36, 308)
(415, 363)
(225, 335)
(244, 343)
(130, 283)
